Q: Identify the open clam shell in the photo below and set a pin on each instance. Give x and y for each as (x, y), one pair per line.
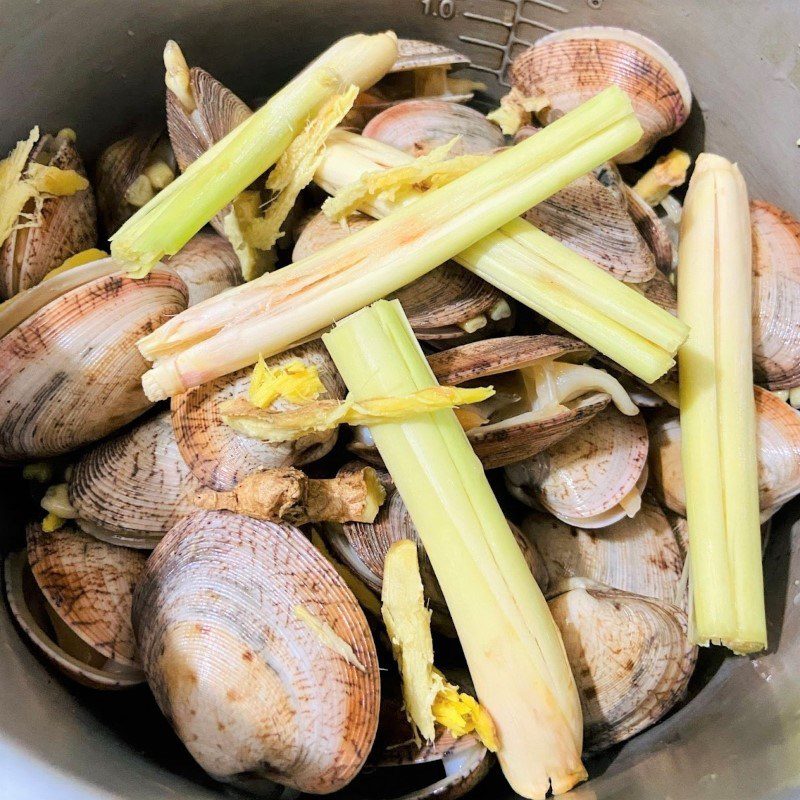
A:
(218, 456)
(630, 656)
(776, 296)
(65, 225)
(593, 478)
(207, 264)
(591, 217)
(447, 305)
(72, 595)
(363, 547)
(572, 65)
(253, 690)
(133, 487)
(118, 166)
(639, 555)
(517, 431)
(653, 230)
(418, 126)
(70, 372)
(778, 437)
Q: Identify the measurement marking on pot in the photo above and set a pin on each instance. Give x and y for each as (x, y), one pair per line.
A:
(510, 36)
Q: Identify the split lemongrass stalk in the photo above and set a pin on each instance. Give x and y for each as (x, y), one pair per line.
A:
(268, 315)
(513, 648)
(174, 215)
(519, 259)
(718, 411)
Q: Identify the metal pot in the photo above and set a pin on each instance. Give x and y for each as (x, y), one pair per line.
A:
(97, 69)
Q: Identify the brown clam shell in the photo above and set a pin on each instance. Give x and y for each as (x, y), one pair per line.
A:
(207, 264)
(218, 456)
(652, 229)
(252, 690)
(572, 65)
(66, 225)
(776, 296)
(71, 373)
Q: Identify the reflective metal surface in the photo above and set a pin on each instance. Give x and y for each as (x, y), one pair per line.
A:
(97, 68)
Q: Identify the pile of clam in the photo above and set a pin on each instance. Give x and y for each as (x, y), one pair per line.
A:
(586, 459)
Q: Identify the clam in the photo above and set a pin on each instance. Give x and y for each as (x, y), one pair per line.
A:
(446, 305)
(207, 264)
(421, 71)
(591, 216)
(218, 456)
(418, 126)
(132, 489)
(70, 372)
(653, 230)
(572, 65)
(72, 596)
(776, 296)
(778, 437)
(258, 654)
(639, 555)
(630, 656)
(543, 392)
(363, 546)
(64, 226)
(591, 479)
(130, 172)
(463, 761)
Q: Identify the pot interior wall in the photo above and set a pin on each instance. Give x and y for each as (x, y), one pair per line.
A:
(97, 69)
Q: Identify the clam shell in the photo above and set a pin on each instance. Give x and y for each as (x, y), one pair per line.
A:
(630, 656)
(776, 296)
(653, 231)
(639, 555)
(582, 479)
(660, 291)
(778, 437)
(70, 373)
(436, 303)
(218, 112)
(418, 126)
(592, 219)
(136, 483)
(207, 265)
(218, 456)
(572, 65)
(253, 691)
(117, 168)
(67, 225)
(524, 435)
(417, 53)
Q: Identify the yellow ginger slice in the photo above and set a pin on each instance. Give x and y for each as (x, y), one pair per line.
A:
(328, 637)
(666, 174)
(244, 209)
(55, 181)
(295, 169)
(515, 110)
(427, 695)
(296, 382)
(52, 522)
(395, 184)
(322, 415)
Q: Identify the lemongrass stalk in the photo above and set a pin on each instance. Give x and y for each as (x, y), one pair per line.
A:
(285, 306)
(535, 269)
(513, 648)
(718, 412)
(178, 212)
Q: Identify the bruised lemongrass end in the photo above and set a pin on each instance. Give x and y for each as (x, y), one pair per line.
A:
(78, 260)
(296, 381)
(56, 501)
(295, 169)
(516, 109)
(328, 637)
(365, 596)
(288, 494)
(177, 76)
(665, 175)
(392, 185)
(323, 415)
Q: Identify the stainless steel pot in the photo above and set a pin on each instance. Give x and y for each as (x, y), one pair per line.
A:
(95, 66)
